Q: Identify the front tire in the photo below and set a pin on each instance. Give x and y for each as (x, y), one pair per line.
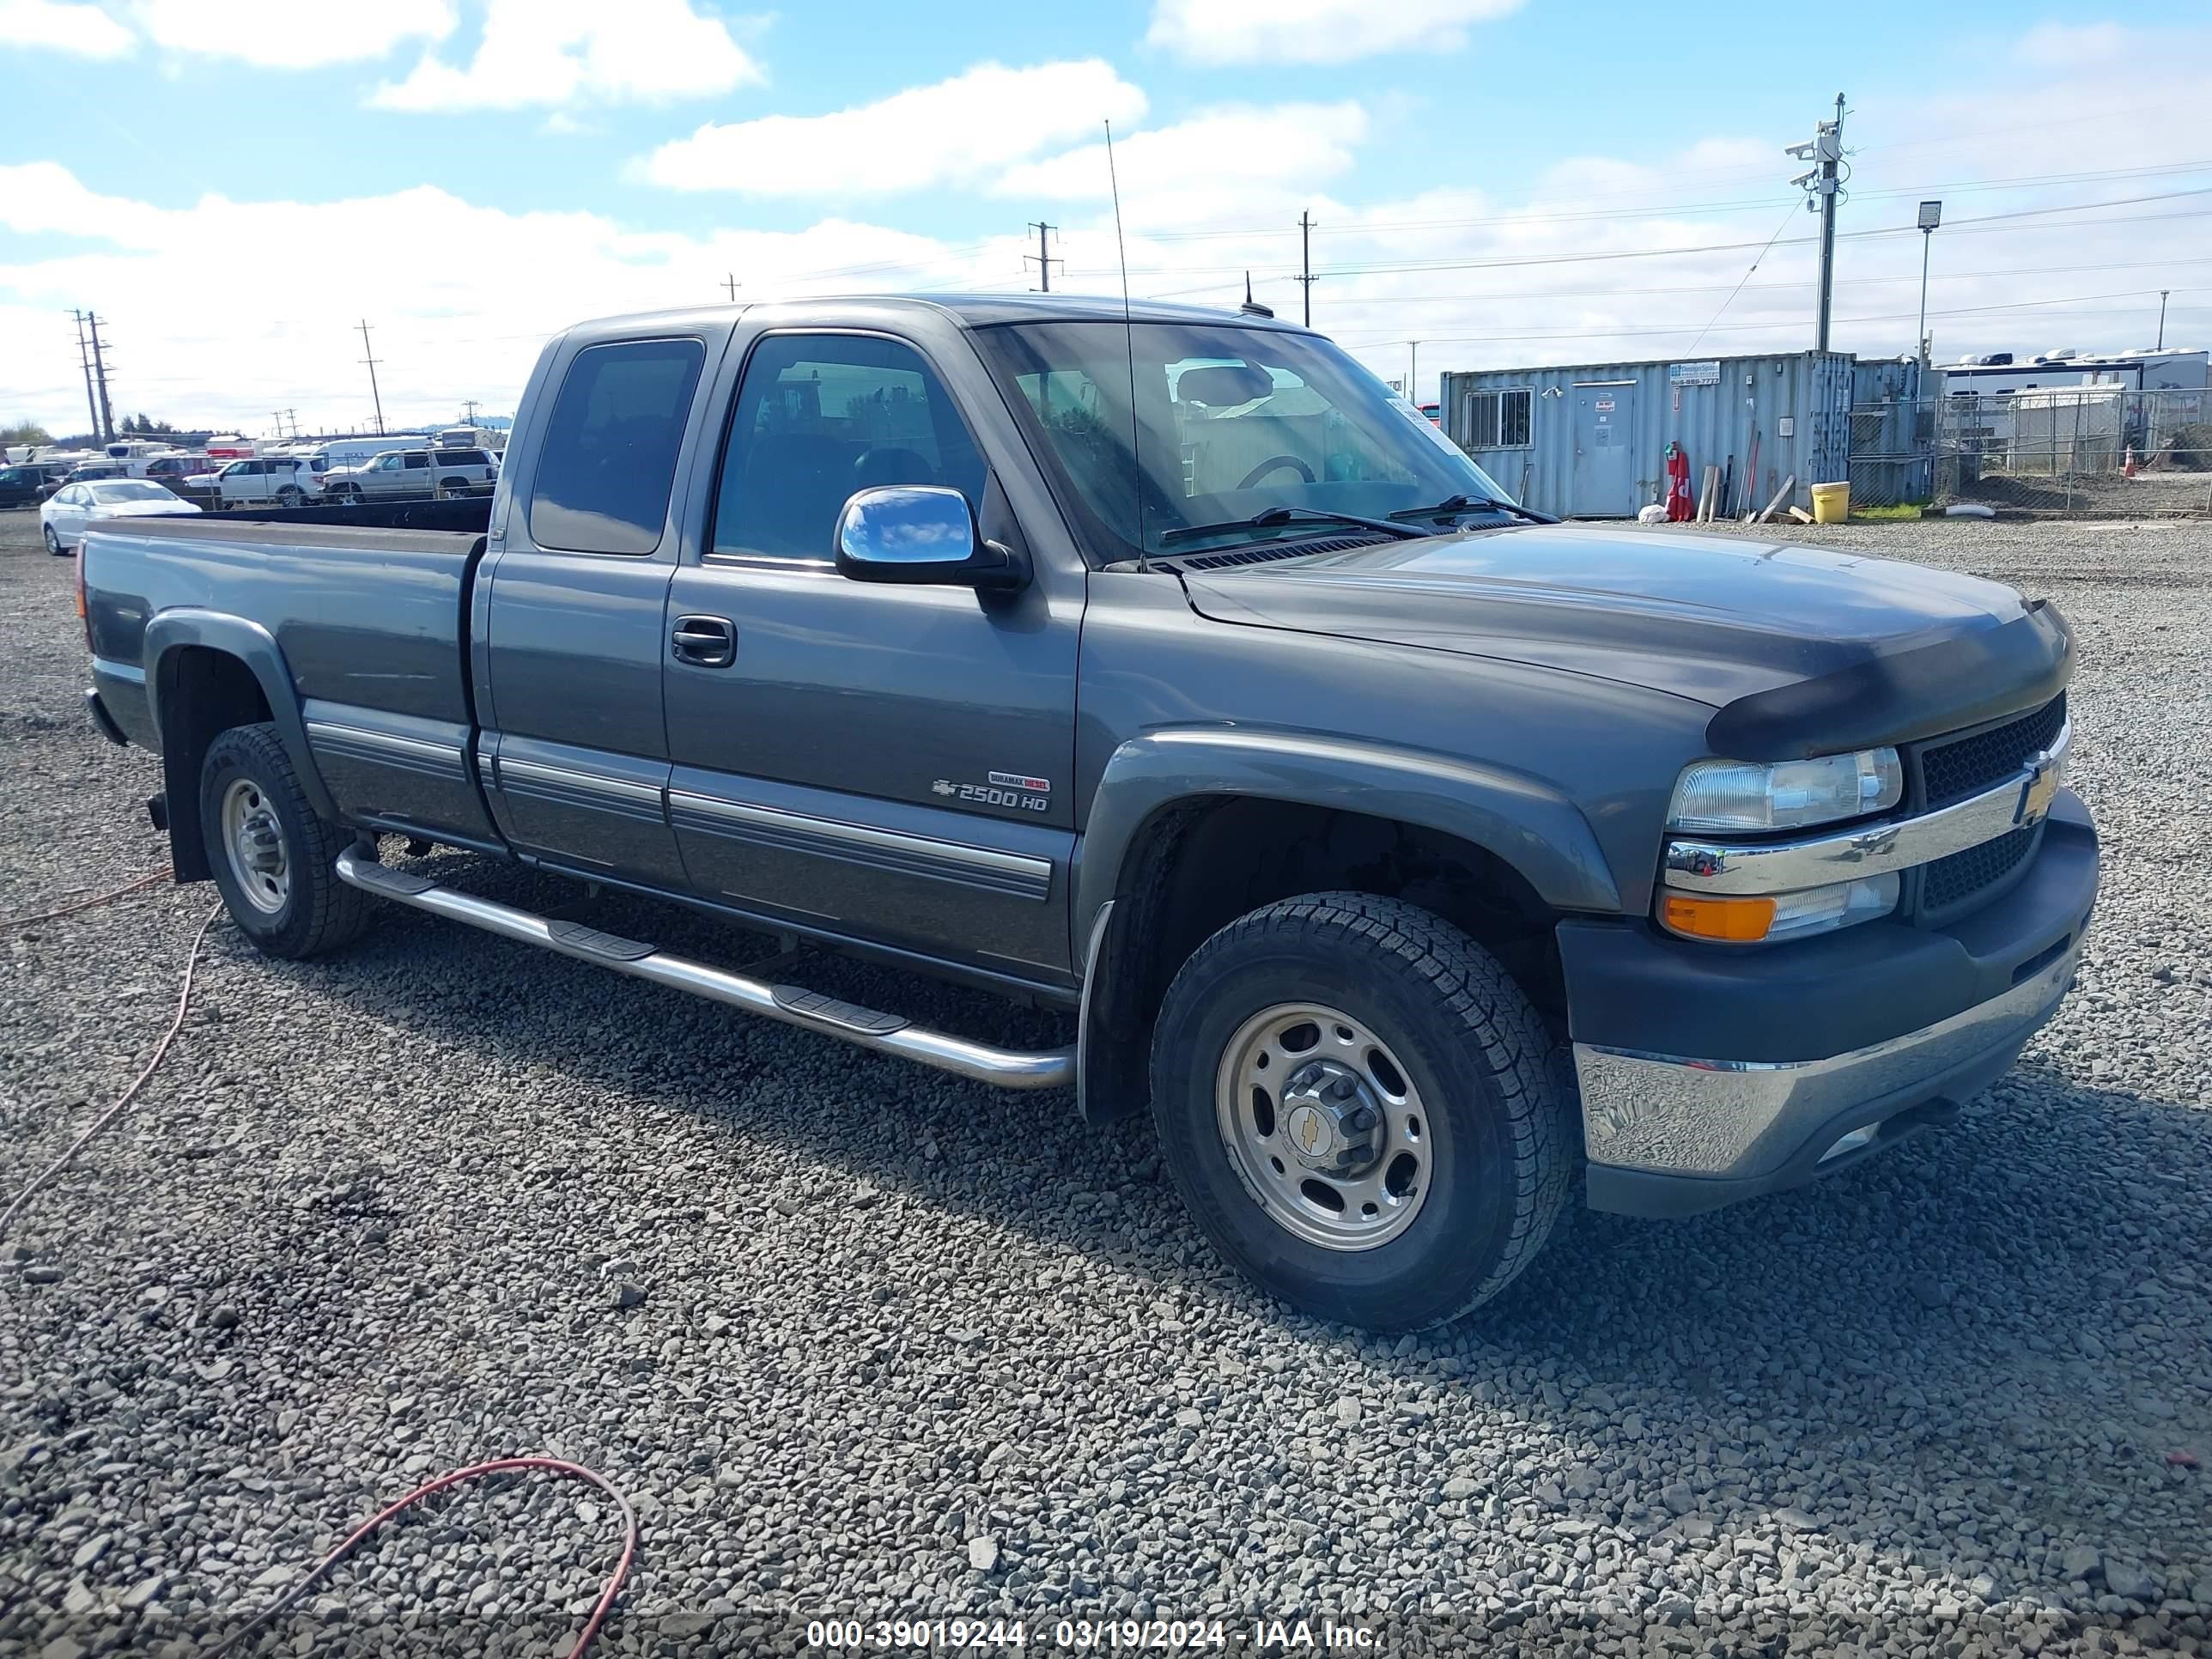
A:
(54, 543)
(1355, 1101)
(270, 855)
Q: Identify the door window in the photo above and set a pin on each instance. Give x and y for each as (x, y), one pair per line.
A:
(608, 458)
(417, 461)
(818, 416)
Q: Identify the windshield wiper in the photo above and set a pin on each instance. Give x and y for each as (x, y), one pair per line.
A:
(1453, 506)
(1273, 517)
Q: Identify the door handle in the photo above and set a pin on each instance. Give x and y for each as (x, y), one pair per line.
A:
(705, 642)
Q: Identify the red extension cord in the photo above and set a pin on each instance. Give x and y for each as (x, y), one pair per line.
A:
(474, 1471)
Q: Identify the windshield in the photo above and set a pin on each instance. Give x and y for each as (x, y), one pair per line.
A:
(1231, 421)
(109, 495)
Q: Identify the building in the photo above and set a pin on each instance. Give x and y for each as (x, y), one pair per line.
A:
(1589, 441)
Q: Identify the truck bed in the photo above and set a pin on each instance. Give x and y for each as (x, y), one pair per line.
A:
(365, 610)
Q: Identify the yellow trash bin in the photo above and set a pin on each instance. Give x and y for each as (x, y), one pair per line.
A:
(1831, 503)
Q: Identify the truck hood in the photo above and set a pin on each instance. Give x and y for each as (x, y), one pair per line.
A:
(1714, 619)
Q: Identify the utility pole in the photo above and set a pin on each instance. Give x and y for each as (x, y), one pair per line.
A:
(1821, 184)
(371, 360)
(100, 373)
(84, 360)
(1931, 214)
(468, 411)
(730, 285)
(1042, 256)
(1414, 373)
(2162, 293)
(1305, 262)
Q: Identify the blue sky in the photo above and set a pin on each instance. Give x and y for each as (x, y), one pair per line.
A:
(233, 183)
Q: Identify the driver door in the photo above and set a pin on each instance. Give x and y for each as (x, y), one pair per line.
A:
(892, 762)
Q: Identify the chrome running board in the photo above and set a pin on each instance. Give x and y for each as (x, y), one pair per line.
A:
(890, 1034)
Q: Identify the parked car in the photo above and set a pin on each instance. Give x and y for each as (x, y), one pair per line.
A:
(416, 473)
(1420, 862)
(287, 480)
(27, 482)
(172, 471)
(61, 521)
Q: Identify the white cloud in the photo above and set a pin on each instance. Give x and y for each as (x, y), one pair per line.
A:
(1312, 30)
(84, 31)
(958, 131)
(2077, 45)
(538, 53)
(1235, 161)
(283, 35)
(205, 334)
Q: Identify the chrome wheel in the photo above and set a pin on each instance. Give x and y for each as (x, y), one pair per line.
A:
(1324, 1127)
(253, 841)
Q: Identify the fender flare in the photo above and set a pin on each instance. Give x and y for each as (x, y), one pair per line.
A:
(256, 647)
(1524, 820)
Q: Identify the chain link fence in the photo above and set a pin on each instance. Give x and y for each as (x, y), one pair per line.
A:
(2098, 450)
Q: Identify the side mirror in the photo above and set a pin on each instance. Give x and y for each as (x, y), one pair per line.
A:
(921, 533)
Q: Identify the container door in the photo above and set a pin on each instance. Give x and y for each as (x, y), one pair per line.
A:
(1604, 482)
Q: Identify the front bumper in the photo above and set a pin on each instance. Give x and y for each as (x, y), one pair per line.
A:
(1803, 1058)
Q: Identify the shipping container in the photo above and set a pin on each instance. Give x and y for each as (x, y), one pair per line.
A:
(1589, 441)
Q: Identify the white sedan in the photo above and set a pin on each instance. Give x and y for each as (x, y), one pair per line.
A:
(70, 508)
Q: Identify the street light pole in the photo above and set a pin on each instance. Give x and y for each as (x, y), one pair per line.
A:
(2162, 293)
(1931, 214)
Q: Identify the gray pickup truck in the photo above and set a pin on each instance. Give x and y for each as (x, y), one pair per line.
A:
(1413, 858)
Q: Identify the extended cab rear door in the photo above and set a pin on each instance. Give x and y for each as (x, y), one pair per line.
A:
(892, 763)
(571, 603)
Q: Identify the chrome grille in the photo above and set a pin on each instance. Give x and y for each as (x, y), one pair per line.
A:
(1948, 882)
(1966, 766)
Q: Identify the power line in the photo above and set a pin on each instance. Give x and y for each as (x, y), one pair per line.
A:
(1987, 224)
(1668, 211)
(1745, 278)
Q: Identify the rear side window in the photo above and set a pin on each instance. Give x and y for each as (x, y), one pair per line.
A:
(608, 457)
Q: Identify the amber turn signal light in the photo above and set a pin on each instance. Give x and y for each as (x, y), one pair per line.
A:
(1736, 920)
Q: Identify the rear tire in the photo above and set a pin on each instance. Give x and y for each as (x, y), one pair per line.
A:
(270, 855)
(1426, 1033)
(291, 495)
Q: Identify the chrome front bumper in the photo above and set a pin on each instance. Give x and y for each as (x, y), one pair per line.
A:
(1734, 1127)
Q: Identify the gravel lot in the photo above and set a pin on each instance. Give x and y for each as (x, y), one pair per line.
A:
(864, 1341)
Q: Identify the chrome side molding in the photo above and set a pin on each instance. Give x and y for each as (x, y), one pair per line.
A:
(890, 1034)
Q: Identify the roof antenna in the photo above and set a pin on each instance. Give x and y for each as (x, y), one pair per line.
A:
(1252, 307)
(1129, 340)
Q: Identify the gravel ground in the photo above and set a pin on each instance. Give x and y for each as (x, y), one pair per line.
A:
(864, 1341)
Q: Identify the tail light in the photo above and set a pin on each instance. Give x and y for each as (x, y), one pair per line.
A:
(84, 611)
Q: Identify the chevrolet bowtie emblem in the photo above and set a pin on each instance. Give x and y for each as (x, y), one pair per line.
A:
(2037, 790)
(1873, 843)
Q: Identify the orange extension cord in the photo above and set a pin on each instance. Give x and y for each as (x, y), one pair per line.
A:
(474, 1472)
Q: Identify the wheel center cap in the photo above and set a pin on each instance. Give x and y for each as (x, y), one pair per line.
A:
(1332, 1125)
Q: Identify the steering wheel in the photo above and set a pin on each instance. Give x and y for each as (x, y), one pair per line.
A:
(1275, 463)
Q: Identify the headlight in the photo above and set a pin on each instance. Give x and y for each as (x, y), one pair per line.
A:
(1736, 920)
(1746, 797)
